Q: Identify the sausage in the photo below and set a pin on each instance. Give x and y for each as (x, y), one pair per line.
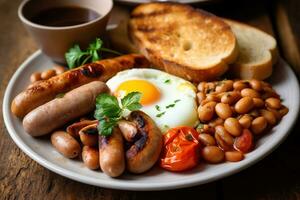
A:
(47, 90)
(59, 111)
(89, 135)
(145, 151)
(90, 157)
(65, 144)
(74, 129)
(111, 153)
(128, 130)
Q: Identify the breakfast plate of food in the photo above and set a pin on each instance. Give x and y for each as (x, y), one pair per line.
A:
(191, 105)
(135, 2)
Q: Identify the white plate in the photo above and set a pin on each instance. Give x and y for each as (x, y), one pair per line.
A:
(40, 150)
(134, 2)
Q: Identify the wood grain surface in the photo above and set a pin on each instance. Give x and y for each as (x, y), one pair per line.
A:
(275, 177)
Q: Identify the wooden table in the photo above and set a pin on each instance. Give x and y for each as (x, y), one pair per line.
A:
(275, 177)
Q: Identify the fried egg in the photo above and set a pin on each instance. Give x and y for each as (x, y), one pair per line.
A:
(169, 100)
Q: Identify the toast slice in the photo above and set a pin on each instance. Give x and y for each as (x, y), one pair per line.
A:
(257, 52)
(192, 44)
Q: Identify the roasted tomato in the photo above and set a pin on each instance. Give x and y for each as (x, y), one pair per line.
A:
(244, 142)
(181, 150)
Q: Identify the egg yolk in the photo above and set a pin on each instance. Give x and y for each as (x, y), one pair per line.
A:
(150, 93)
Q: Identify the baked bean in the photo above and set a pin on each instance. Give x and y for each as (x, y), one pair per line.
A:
(244, 105)
(273, 103)
(205, 128)
(245, 121)
(90, 157)
(269, 116)
(201, 86)
(35, 77)
(223, 110)
(267, 88)
(258, 125)
(265, 84)
(224, 86)
(283, 111)
(65, 144)
(234, 156)
(212, 97)
(239, 85)
(268, 93)
(248, 92)
(258, 103)
(208, 129)
(216, 122)
(205, 101)
(207, 111)
(255, 84)
(200, 97)
(210, 87)
(48, 74)
(230, 97)
(212, 154)
(59, 70)
(223, 138)
(207, 139)
(275, 113)
(233, 126)
(254, 113)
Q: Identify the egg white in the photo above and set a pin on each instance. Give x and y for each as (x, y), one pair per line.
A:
(177, 104)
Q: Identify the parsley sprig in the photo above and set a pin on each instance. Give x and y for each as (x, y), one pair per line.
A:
(109, 112)
(76, 57)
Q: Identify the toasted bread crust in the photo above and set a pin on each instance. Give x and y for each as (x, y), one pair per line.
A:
(160, 42)
(258, 69)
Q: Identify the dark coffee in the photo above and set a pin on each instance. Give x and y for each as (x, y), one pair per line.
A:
(65, 16)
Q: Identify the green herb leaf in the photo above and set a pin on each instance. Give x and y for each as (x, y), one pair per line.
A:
(73, 56)
(160, 114)
(105, 127)
(157, 107)
(167, 81)
(199, 127)
(170, 106)
(108, 110)
(177, 100)
(76, 57)
(107, 106)
(60, 95)
(132, 101)
(93, 49)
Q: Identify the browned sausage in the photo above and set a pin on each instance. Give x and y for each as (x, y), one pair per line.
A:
(65, 144)
(128, 129)
(90, 157)
(145, 151)
(47, 90)
(111, 153)
(89, 135)
(74, 129)
(59, 111)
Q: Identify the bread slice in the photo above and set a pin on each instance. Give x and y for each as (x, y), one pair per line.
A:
(257, 52)
(183, 41)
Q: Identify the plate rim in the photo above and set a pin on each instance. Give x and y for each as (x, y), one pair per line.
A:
(110, 183)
